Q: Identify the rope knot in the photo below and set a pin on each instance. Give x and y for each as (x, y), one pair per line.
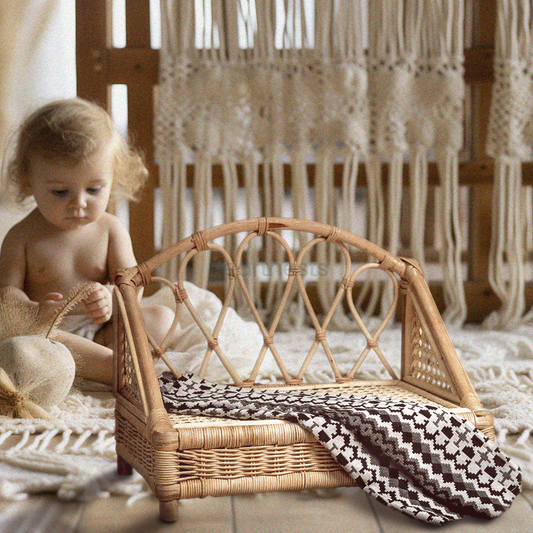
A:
(13, 399)
(212, 343)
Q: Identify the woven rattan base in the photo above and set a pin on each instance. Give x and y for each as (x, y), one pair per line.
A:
(201, 472)
(220, 456)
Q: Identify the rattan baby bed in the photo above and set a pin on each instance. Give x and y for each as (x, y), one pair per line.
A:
(188, 457)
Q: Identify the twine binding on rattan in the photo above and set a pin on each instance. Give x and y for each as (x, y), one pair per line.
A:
(199, 240)
(320, 335)
(347, 282)
(392, 263)
(234, 271)
(263, 226)
(333, 234)
(180, 294)
(294, 269)
(144, 272)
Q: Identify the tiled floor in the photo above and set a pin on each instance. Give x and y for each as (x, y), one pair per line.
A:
(344, 510)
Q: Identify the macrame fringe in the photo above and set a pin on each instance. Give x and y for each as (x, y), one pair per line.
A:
(509, 141)
(451, 242)
(506, 263)
(268, 83)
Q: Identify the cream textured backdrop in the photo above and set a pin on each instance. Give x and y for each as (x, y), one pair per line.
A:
(37, 64)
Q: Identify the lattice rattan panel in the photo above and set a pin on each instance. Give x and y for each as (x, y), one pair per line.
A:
(131, 384)
(241, 286)
(426, 364)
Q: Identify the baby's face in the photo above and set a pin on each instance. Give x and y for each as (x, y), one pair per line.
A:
(71, 196)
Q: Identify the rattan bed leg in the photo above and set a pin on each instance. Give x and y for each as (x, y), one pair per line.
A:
(123, 468)
(168, 511)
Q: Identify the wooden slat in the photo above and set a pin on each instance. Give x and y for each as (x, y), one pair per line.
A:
(140, 120)
(479, 64)
(120, 62)
(140, 125)
(480, 214)
(91, 43)
(480, 217)
(132, 66)
(138, 23)
(471, 173)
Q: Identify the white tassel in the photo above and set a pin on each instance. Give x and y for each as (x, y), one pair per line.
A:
(451, 239)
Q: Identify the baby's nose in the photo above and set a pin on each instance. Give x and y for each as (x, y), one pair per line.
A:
(79, 201)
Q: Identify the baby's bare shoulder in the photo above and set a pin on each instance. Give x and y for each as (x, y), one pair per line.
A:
(13, 252)
(21, 231)
(112, 223)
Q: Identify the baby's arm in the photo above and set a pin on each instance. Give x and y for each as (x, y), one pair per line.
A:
(157, 318)
(120, 252)
(13, 259)
(98, 305)
(13, 273)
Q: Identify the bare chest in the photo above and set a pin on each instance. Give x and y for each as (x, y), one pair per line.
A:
(57, 263)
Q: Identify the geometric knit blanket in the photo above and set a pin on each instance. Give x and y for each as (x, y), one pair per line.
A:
(421, 460)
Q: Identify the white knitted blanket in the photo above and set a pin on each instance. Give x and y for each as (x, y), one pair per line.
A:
(74, 456)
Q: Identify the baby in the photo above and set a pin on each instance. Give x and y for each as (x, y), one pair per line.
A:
(72, 160)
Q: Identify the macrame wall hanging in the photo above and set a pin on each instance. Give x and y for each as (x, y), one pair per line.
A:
(271, 82)
(510, 142)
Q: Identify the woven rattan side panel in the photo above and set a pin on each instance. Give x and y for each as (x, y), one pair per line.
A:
(255, 461)
(127, 382)
(222, 471)
(424, 366)
(130, 385)
(246, 470)
(135, 448)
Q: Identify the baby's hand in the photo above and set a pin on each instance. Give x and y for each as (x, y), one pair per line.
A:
(98, 305)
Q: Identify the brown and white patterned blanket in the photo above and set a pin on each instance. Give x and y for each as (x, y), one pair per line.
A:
(421, 460)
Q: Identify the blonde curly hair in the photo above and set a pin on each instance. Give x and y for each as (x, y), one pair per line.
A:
(72, 130)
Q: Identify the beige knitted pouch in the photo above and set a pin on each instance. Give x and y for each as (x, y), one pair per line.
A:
(36, 372)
